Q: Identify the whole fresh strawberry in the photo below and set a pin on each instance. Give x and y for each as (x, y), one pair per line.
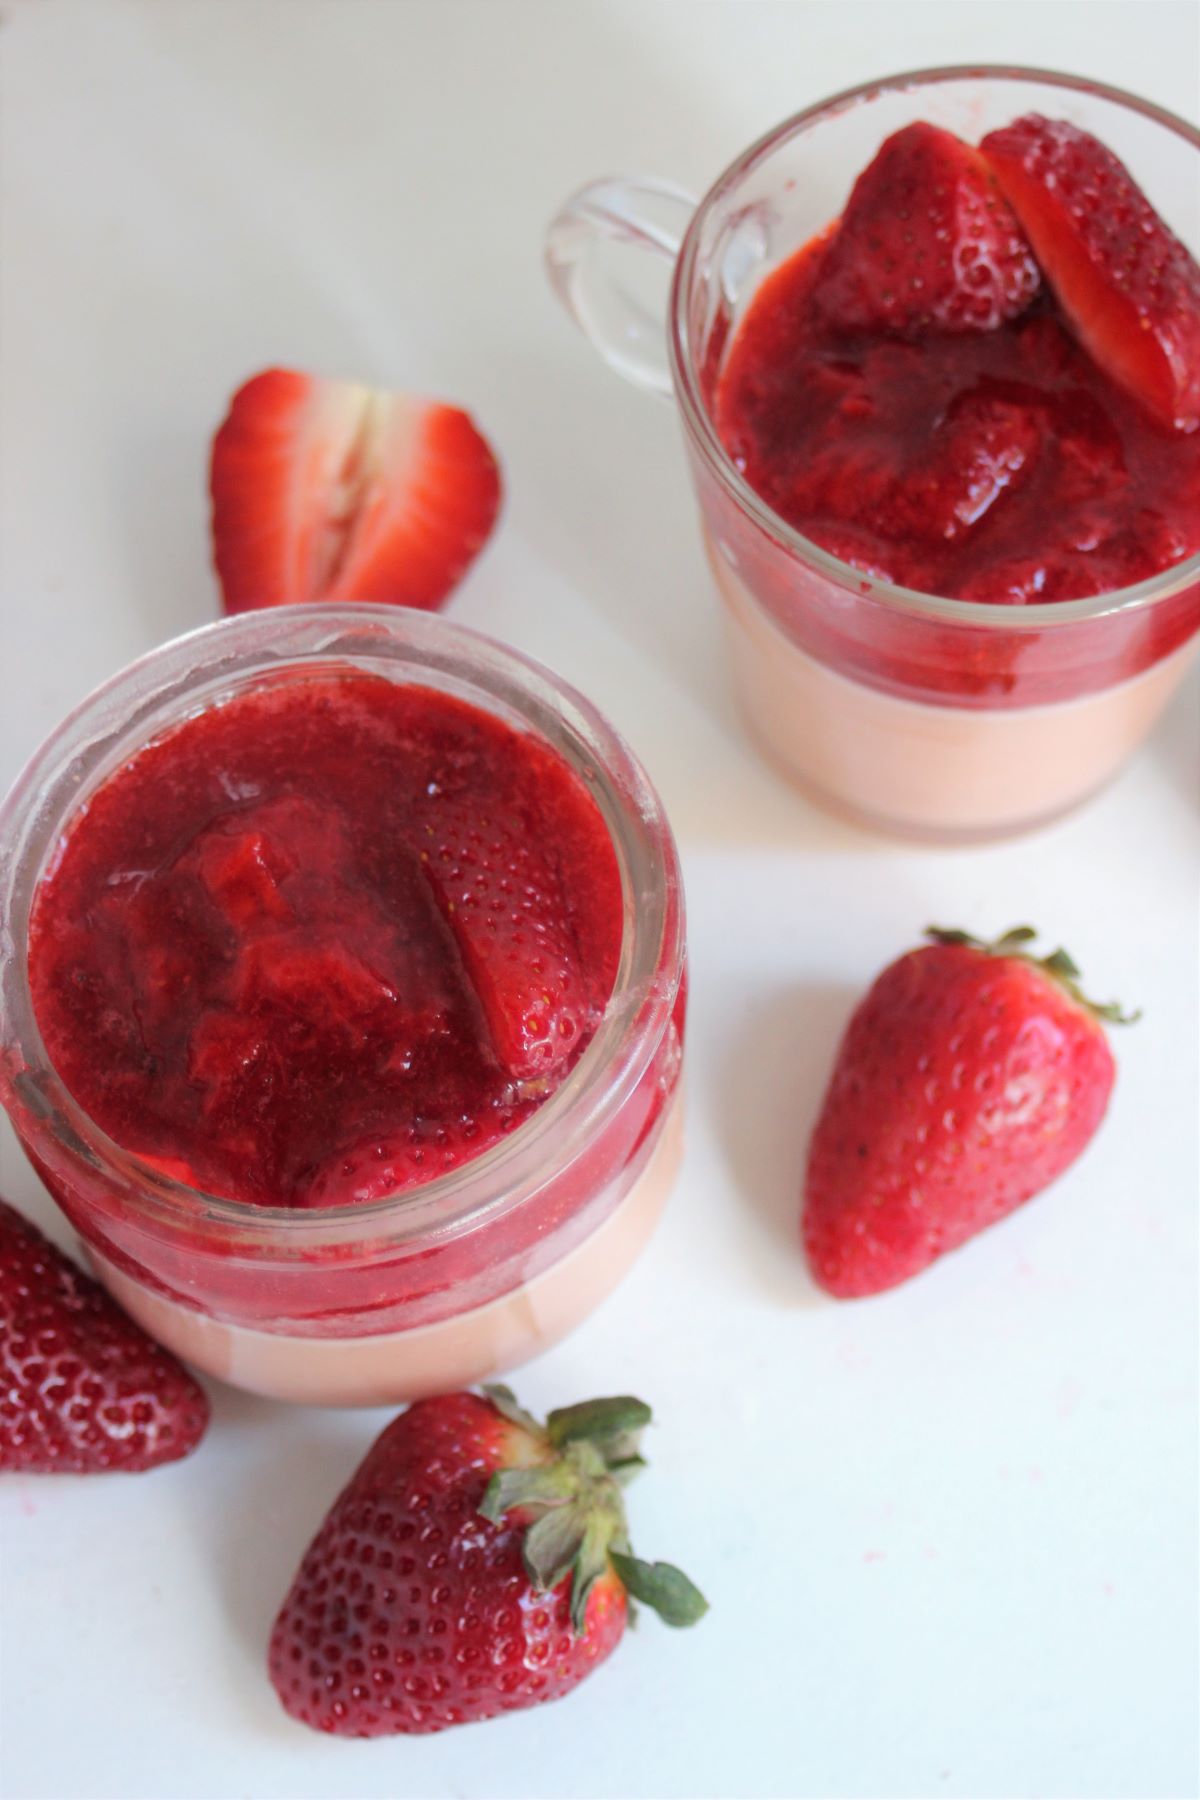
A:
(82, 1389)
(327, 490)
(970, 1076)
(1129, 287)
(927, 242)
(477, 1563)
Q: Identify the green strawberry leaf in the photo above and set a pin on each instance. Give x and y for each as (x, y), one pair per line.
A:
(675, 1599)
(599, 1420)
(546, 1484)
(552, 1545)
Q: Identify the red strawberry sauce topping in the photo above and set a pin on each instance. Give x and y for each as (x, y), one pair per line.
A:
(903, 392)
(327, 940)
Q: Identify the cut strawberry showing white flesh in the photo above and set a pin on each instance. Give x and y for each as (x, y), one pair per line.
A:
(327, 490)
(1129, 287)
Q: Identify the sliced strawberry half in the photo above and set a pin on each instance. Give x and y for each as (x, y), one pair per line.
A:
(927, 242)
(326, 490)
(1129, 287)
(502, 898)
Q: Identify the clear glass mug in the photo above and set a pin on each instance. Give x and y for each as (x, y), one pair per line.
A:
(939, 718)
(446, 1283)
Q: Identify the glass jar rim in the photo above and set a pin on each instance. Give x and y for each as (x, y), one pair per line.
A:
(1037, 615)
(187, 674)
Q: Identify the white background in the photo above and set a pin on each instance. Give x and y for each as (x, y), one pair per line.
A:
(950, 1534)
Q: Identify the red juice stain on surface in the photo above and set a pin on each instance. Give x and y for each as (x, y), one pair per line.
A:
(327, 940)
(998, 465)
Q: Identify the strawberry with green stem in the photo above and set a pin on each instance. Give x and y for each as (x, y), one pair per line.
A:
(970, 1077)
(478, 1562)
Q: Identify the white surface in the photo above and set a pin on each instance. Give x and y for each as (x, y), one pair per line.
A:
(949, 1535)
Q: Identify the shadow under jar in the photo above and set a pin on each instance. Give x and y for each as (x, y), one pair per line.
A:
(934, 717)
(443, 1283)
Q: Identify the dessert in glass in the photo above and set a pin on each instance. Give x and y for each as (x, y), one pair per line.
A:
(343, 996)
(954, 517)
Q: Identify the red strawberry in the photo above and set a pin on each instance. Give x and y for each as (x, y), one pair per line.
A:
(502, 898)
(984, 445)
(477, 1563)
(927, 242)
(969, 1078)
(82, 1389)
(1128, 286)
(325, 490)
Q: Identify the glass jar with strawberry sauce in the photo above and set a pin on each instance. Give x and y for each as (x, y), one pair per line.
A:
(961, 712)
(343, 996)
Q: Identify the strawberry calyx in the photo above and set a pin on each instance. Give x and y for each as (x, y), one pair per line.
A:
(1059, 965)
(572, 1496)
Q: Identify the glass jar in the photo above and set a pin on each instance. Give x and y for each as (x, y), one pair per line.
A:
(443, 1284)
(940, 718)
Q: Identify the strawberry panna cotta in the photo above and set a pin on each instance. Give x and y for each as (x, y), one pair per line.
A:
(477, 1563)
(970, 1077)
(347, 1020)
(326, 941)
(983, 381)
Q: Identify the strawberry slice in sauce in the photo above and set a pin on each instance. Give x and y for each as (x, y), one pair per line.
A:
(501, 895)
(927, 243)
(327, 490)
(1129, 287)
(981, 449)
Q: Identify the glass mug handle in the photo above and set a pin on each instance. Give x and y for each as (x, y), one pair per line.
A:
(622, 213)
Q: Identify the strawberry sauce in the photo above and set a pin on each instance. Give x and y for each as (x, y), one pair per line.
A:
(327, 940)
(997, 465)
